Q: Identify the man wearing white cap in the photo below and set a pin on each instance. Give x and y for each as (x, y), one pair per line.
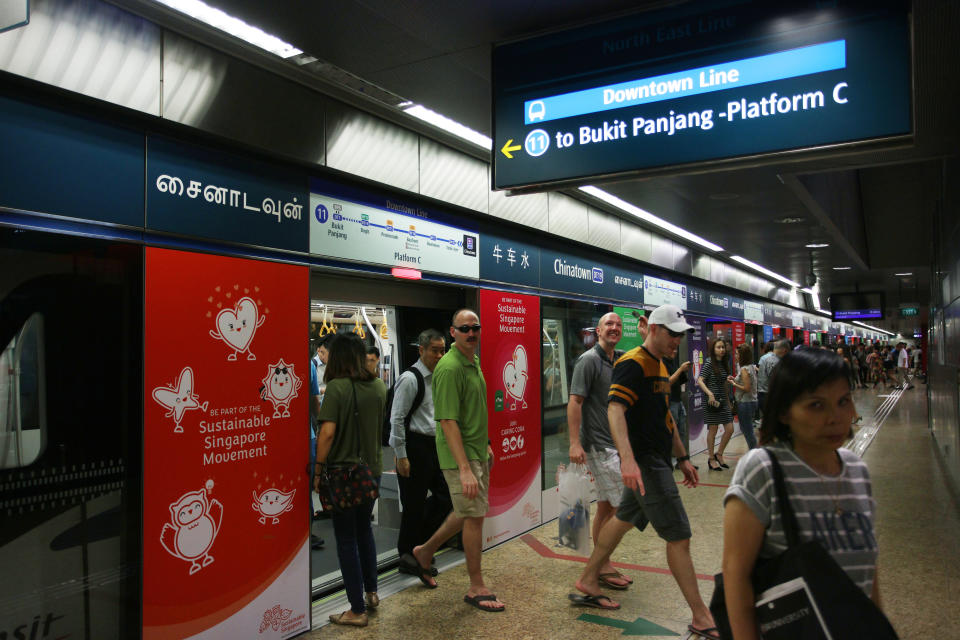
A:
(646, 437)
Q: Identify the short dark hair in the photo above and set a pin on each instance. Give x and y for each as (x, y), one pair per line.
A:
(782, 343)
(800, 371)
(427, 336)
(372, 350)
(744, 355)
(347, 359)
(326, 340)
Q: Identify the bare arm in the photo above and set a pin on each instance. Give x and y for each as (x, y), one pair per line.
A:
(616, 415)
(451, 431)
(742, 538)
(680, 370)
(744, 384)
(875, 592)
(324, 442)
(703, 386)
(574, 420)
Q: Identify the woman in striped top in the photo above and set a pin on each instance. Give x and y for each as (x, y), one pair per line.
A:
(713, 381)
(808, 419)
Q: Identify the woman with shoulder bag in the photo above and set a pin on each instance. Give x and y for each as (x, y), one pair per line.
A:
(348, 442)
(807, 419)
(745, 390)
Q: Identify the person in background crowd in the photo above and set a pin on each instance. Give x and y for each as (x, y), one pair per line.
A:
(917, 360)
(889, 368)
(809, 414)
(745, 385)
(861, 361)
(765, 369)
(875, 364)
(717, 411)
(413, 438)
(903, 364)
(678, 377)
(319, 360)
(590, 439)
(373, 360)
(350, 419)
(460, 407)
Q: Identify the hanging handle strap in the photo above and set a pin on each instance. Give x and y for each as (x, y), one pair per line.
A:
(787, 516)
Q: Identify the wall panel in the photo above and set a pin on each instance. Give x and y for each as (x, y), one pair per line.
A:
(453, 177)
(372, 148)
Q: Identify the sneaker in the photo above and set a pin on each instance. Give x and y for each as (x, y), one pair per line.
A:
(316, 542)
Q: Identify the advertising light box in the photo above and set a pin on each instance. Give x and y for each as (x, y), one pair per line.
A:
(701, 82)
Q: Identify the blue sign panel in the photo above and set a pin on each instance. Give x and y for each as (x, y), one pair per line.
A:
(66, 165)
(696, 299)
(220, 196)
(767, 333)
(575, 274)
(724, 305)
(698, 82)
(503, 260)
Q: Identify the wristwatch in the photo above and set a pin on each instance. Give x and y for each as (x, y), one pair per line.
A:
(682, 458)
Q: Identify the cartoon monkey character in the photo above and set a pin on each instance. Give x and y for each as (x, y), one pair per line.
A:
(194, 525)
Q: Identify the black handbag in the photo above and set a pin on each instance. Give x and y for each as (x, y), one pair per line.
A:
(803, 594)
(347, 486)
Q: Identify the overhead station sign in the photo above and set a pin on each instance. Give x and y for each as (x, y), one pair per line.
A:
(695, 84)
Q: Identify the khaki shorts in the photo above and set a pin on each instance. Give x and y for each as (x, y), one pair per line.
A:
(476, 508)
(604, 464)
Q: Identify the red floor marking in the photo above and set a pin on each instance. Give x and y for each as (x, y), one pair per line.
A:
(707, 484)
(547, 552)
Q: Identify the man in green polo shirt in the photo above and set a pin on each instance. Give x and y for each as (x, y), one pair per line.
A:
(460, 409)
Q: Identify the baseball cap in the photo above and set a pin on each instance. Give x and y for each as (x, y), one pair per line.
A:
(670, 316)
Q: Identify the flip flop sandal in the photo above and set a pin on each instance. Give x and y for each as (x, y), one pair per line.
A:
(597, 602)
(424, 575)
(710, 633)
(474, 601)
(604, 579)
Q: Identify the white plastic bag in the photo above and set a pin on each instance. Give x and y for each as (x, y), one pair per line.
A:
(574, 484)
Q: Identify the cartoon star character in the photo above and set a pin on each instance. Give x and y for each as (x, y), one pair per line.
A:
(179, 399)
(271, 503)
(193, 527)
(280, 387)
(237, 326)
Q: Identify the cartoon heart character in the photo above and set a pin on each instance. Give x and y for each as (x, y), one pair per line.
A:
(237, 326)
(193, 528)
(515, 376)
(180, 398)
(271, 503)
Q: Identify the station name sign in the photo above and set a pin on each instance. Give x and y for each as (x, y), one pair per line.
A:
(684, 86)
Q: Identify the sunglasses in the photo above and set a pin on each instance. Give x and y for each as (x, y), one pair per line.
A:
(467, 328)
(674, 334)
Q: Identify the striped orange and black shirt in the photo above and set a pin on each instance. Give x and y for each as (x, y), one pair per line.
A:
(640, 382)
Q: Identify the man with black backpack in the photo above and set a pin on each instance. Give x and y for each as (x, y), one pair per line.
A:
(412, 436)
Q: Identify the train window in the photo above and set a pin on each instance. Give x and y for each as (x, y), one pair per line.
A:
(23, 397)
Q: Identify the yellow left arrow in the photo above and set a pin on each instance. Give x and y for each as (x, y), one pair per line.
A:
(507, 149)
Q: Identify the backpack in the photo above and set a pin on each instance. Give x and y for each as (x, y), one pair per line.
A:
(417, 401)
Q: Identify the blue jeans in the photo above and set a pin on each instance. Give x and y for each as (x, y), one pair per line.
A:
(746, 411)
(357, 553)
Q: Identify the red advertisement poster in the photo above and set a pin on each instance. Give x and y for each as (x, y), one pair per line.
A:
(225, 509)
(806, 338)
(510, 360)
(739, 336)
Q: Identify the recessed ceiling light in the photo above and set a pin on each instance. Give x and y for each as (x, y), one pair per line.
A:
(908, 273)
(789, 220)
(841, 268)
(817, 245)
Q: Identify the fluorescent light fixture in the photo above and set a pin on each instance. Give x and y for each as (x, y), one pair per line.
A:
(765, 271)
(234, 26)
(817, 245)
(450, 126)
(908, 273)
(636, 211)
(872, 328)
(814, 292)
(841, 268)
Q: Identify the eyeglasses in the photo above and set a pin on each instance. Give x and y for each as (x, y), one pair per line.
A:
(674, 334)
(467, 328)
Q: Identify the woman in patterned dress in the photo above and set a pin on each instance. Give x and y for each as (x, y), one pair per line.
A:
(713, 381)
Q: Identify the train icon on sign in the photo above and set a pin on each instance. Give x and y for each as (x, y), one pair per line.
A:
(536, 111)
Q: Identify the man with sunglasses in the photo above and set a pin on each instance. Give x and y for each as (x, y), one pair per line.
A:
(460, 409)
(646, 436)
